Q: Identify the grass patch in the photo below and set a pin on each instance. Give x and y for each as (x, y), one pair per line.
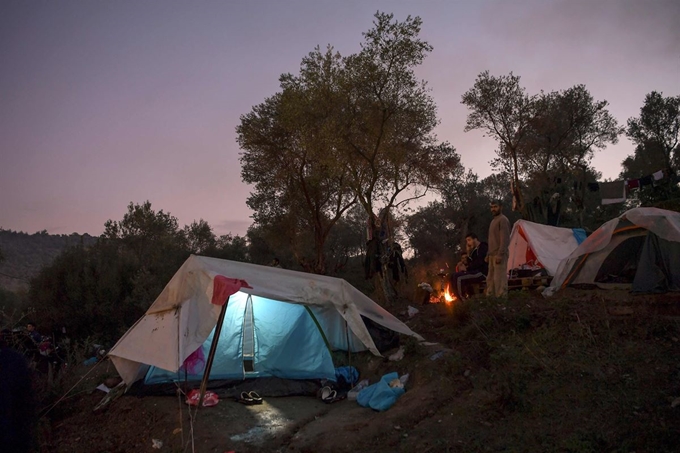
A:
(566, 369)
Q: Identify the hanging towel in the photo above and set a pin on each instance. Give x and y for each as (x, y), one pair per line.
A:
(646, 181)
(633, 183)
(613, 192)
(658, 175)
(593, 186)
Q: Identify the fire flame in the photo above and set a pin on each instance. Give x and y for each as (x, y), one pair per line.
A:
(448, 297)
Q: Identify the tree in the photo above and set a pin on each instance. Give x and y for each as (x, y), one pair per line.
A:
(501, 108)
(387, 125)
(230, 247)
(290, 155)
(431, 233)
(389, 118)
(568, 128)
(656, 134)
(199, 236)
(346, 130)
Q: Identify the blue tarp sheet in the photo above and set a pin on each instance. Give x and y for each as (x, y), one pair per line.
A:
(579, 235)
(380, 396)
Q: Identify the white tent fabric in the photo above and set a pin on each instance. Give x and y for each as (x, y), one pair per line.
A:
(548, 245)
(663, 223)
(182, 317)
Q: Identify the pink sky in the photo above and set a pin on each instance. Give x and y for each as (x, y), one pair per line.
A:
(104, 103)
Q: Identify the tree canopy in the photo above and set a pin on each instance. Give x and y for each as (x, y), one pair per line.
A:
(656, 135)
(344, 130)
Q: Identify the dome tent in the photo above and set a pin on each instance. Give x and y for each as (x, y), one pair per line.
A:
(639, 250)
(277, 322)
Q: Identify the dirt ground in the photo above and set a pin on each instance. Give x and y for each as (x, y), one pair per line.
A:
(583, 372)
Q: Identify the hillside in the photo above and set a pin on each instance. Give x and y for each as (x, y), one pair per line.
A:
(586, 371)
(26, 254)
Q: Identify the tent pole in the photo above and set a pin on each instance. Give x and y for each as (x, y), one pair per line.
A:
(349, 352)
(211, 354)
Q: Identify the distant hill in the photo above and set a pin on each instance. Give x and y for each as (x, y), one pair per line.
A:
(26, 254)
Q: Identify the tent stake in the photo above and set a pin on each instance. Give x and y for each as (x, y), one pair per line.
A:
(211, 354)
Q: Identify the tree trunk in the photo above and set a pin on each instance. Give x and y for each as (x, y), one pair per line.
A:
(517, 192)
(389, 291)
(387, 284)
(320, 264)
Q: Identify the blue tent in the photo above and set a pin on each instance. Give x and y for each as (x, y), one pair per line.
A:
(277, 322)
(283, 339)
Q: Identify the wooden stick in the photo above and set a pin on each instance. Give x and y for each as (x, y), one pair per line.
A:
(211, 354)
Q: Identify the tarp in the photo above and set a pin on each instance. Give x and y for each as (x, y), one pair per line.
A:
(541, 245)
(184, 316)
(625, 235)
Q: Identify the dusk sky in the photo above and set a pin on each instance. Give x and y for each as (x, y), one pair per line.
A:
(107, 102)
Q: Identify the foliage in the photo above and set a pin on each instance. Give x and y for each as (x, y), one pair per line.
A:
(290, 156)
(100, 290)
(25, 254)
(547, 142)
(437, 232)
(501, 108)
(656, 134)
(344, 130)
(569, 127)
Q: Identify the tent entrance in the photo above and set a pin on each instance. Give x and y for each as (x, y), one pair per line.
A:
(248, 338)
(261, 337)
(621, 264)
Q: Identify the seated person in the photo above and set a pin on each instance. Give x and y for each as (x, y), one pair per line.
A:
(475, 269)
(463, 263)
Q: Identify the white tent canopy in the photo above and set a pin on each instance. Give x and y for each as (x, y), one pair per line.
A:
(184, 314)
(542, 245)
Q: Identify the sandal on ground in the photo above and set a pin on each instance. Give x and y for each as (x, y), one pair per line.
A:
(247, 399)
(257, 399)
(328, 395)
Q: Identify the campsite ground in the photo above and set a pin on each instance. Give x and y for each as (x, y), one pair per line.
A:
(584, 371)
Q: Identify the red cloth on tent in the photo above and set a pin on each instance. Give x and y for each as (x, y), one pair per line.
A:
(195, 363)
(529, 256)
(224, 287)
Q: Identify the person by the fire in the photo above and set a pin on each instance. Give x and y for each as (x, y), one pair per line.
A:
(472, 268)
(499, 241)
(463, 263)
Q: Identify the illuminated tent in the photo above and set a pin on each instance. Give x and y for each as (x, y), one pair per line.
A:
(277, 322)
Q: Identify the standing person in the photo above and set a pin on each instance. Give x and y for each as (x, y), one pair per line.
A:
(475, 266)
(499, 241)
(17, 407)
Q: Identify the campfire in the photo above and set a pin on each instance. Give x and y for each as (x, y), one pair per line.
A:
(444, 297)
(448, 297)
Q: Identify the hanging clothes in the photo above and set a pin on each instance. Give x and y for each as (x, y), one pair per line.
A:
(554, 207)
(657, 175)
(646, 181)
(613, 192)
(633, 184)
(397, 264)
(372, 263)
